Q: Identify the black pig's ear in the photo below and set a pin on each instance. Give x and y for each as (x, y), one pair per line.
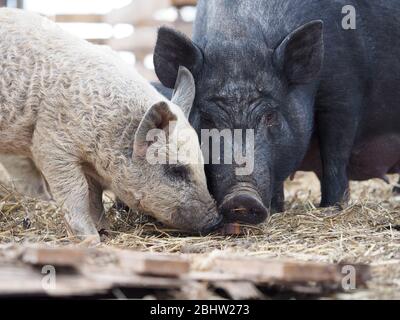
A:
(174, 49)
(184, 91)
(300, 55)
(166, 92)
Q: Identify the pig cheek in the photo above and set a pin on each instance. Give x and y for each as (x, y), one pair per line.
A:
(161, 213)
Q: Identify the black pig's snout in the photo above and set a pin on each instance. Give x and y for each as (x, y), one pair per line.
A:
(244, 206)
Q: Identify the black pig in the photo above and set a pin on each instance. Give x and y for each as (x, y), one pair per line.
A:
(320, 97)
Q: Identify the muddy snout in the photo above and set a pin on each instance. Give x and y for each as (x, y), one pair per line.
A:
(243, 204)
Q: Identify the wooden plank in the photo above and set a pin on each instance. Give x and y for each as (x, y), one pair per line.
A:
(137, 12)
(66, 257)
(94, 271)
(98, 41)
(270, 271)
(24, 280)
(127, 261)
(142, 39)
(77, 18)
(153, 264)
(182, 3)
(21, 280)
(98, 270)
(118, 279)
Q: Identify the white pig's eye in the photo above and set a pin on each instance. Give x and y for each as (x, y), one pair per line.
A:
(180, 172)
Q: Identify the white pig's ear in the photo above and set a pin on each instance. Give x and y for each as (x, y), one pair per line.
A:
(157, 117)
(300, 55)
(184, 91)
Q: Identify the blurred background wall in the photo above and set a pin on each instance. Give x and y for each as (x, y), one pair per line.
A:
(127, 26)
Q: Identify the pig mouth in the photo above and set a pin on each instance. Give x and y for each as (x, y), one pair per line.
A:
(199, 218)
(243, 204)
(216, 225)
(206, 227)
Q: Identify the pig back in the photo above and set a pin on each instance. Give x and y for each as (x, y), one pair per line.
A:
(49, 78)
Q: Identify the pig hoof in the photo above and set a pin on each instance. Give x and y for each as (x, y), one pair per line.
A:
(90, 240)
(278, 209)
(103, 225)
(104, 232)
(120, 206)
(26, 223)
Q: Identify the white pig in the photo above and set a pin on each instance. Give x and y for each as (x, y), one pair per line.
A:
(82, 115)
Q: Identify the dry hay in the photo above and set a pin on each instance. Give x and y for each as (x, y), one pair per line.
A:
(367, 231)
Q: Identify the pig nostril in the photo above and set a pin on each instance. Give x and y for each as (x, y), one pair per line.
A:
(244, 208)
(240, 210)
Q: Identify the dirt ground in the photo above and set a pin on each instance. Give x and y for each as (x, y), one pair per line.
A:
(367, 231)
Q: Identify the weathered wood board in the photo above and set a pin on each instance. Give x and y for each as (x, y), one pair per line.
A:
(27, 270)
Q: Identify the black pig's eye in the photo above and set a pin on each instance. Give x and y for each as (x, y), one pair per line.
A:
(207, 120)
(270, 118)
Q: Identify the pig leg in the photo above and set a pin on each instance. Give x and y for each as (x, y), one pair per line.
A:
(120, 206)
(336, 131)
(396, 189)
(70, 188)
(96, 205)
(24, 176)
(278, 199)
